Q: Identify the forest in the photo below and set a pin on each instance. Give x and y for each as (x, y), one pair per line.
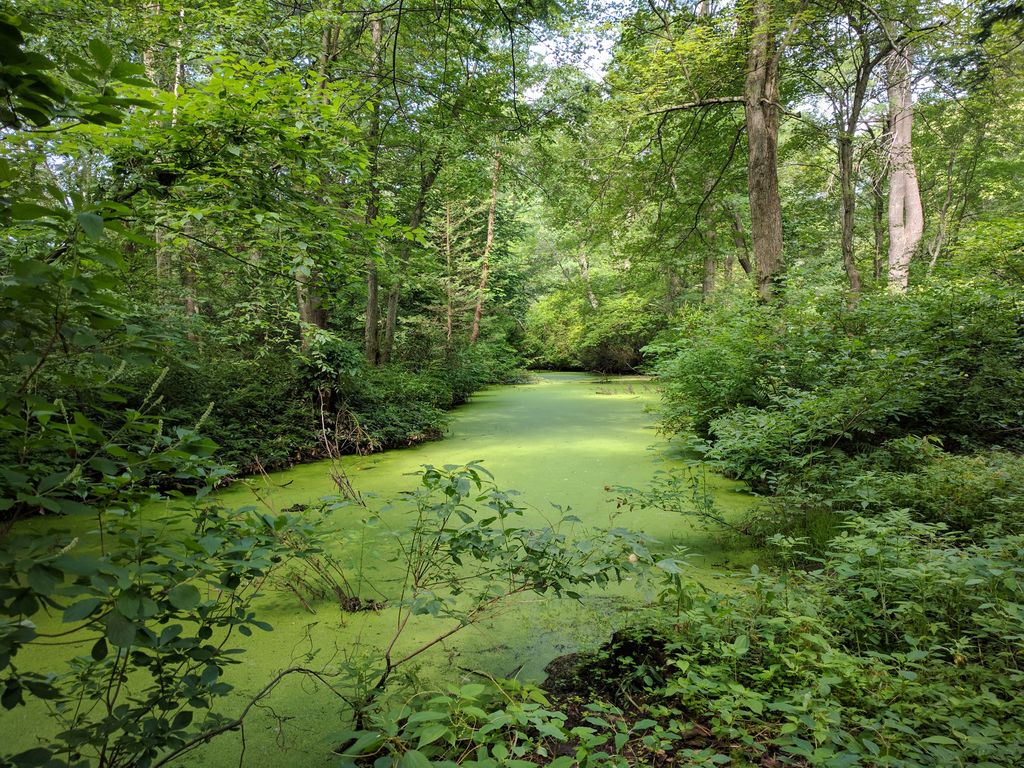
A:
(732, 291)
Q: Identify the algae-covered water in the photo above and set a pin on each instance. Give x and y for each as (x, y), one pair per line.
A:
(559, 440)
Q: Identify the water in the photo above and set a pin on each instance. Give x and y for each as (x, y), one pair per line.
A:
(559, 441)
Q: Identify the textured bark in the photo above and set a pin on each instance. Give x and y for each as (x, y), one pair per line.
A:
(906, 215)
(761, 108)
(485, 265)
(371, 344)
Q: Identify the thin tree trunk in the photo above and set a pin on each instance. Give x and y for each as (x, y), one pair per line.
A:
(761, 108)
(449, 286)
(485, 265)
(710, 241)
(878, 223)
(149, 64)
(179, 66)
(672, 290)
(584, 262)
(935, 246)
(906, 215)
(739, 240)
(427, 180)
(371, 344)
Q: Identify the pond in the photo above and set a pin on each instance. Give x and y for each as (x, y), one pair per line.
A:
(559, 440)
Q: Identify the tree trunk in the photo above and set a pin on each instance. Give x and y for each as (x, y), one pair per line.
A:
(906, 215)
(739, 240)
(848, 202)
(449, 285)
(710, 241)
(485, 265)
(935, 246)
(584, 262)
(761, 108)
(427, 180)
(371, 344)
(878, 222)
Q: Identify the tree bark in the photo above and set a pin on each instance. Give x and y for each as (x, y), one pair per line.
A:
(371, 344)
(584, 262)
(427, 180)
(906, 215)
(761, 108)
(739, 240)
(449, 285)
(878, 223)
(710, 255)
(485, 265)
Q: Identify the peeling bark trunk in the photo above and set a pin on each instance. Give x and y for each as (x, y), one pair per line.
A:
(906, 215)
(761, 108)
(485, 266)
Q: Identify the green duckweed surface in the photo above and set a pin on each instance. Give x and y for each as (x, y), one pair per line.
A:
(559, 441)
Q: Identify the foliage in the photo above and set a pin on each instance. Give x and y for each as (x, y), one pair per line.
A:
(807, 384)
(894, 652)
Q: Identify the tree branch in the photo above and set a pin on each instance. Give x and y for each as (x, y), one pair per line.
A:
(697, 104)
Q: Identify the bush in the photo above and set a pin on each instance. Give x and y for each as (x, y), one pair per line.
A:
(780, 389)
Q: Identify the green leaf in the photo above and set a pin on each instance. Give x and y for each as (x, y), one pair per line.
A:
(182, 720)
(82, 609)
(741, 645)
(43, 579)
(29, 211)
(91, 224)
(184, 597)
(100, 650)
(120, 631)
(101, 53)
(414, 759)
(432, 733)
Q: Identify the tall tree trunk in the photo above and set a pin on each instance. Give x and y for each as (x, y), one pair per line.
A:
(710, 241)
(584, 262)
(878, 208)
(906, 214)
(848, 202)
(427, 178)
(485, 264)
(761, 108)
(672, 290)
(449, 283)
(371, 344)
(846, 130)
(307, 294)
(149, 64)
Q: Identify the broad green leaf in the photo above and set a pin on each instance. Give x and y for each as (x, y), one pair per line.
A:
(185, 597)
(91, 224)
